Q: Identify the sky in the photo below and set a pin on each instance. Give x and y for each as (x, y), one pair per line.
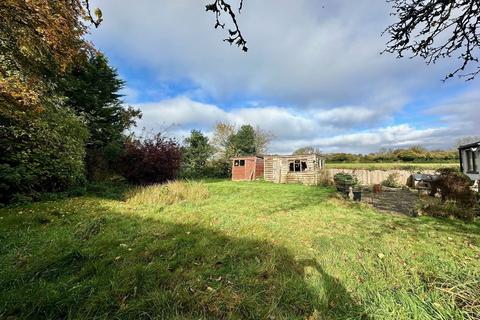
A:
(313, 75)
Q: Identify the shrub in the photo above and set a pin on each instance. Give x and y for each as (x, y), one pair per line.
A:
(457, 199)
(168, 193)
(40, 152)
(454, 185)
(151, 160)
(435, 208)
(344, 180)
(218, 168)
(392, 181)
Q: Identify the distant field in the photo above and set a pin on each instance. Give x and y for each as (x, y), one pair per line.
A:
(390, 166)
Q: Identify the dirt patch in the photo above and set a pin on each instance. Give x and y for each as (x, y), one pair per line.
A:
(400, 201)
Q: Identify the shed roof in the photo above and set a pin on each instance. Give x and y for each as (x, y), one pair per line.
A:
(246, 157)
(295, 155)
(475, 144)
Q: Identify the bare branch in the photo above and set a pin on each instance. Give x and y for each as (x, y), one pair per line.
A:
(98, 14)
(235, 35)
(435, 29)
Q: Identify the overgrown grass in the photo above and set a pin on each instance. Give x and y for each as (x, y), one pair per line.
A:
(247, 251)
(167, 194)
(393, 166)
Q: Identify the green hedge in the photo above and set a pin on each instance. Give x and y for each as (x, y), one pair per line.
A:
(40, 152)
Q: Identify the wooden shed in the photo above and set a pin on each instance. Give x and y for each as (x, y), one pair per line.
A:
(305, 169)
(470, 160)
(247, 168)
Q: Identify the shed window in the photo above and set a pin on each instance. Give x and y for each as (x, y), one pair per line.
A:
(298, 166)
(239, 163)
(472, 165)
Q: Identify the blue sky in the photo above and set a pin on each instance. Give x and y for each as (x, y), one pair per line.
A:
(313, 75)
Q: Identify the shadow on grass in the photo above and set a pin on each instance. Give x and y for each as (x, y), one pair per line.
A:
(134, 268)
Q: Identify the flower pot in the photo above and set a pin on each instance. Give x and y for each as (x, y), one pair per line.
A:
(357, 195)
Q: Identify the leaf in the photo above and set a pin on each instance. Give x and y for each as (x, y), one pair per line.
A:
(98, 13)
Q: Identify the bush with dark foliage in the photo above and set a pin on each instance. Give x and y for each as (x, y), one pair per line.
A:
(151, 160)
(454, 185)
(457, 199)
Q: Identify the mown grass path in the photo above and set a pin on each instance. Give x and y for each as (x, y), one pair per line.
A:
(245, 251)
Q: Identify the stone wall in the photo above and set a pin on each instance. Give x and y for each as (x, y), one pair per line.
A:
(371, 177)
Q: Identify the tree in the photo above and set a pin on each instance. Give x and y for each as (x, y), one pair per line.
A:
(262, 140)
(243, 142)
(222, 138)
(436, 29)
(93, 89)
(38, 40)
(196, 152)
(307, 150)
(228, 142)
(223, 149)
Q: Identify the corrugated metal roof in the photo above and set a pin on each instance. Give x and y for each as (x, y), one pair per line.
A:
(475, 144)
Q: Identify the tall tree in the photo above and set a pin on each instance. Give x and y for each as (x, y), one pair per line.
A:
(262, 140)
(38, 40)
(243, 141)
(222, 138)
(93, 89)
(196, 152)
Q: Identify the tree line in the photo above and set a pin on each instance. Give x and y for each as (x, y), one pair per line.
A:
(412, 154)
(159, 158)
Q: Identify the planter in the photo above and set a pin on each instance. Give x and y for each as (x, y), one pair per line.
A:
(357, 195)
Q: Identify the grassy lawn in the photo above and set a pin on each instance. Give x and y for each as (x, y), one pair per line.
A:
(393, 165)
(233, 251)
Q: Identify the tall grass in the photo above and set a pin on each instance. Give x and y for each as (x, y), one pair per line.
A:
(251, 250)
(167, 194)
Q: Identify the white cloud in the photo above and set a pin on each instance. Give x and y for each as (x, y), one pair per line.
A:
(291, 129)
(461, 113)
(371, 140)
(319, 54)
(313, 70)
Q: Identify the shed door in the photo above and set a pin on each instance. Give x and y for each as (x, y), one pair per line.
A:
(277, 171)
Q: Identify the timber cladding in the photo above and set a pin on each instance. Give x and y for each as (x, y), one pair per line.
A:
(247, 168)
(305, 169)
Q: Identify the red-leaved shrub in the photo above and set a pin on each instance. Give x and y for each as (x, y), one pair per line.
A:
(151, 160)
